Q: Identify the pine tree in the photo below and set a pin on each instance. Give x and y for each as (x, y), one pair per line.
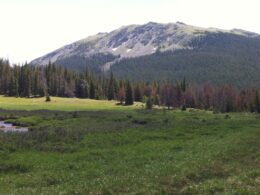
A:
(129, 94)
(25, 81)
(138, 94)
(183, 85)
(16, 87)
(111, 88)
(92, 91)
(29, 85)
(257, 102)
(12, 86)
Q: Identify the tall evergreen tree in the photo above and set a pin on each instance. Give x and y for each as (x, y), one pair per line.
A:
(12, 86)
(129, 100)
(138, 94)
(92, 91)
(183, 85)
(257, 102)
(111, 88)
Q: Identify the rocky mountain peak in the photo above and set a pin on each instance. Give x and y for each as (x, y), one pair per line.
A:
(136, 40)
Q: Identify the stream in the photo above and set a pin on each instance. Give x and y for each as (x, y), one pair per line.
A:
(8, 127)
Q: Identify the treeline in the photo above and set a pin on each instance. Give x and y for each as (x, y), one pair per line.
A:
(51, 80)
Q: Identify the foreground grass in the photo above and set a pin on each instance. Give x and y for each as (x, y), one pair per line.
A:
(131, 152)
(62, 104)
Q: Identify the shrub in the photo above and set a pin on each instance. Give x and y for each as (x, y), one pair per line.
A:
(183, 108)
(149, 103)
(48, 98)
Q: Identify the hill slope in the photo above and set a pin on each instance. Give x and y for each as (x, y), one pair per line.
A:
(169, 52)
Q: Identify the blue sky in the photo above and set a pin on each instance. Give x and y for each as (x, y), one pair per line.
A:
(31, 28)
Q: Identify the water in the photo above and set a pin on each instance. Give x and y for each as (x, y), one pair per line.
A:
(8, 127)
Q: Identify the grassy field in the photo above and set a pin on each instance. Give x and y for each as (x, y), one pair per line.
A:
(62, 104)
(109, 149)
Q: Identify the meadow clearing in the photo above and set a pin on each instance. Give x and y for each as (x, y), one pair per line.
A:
(78, 146)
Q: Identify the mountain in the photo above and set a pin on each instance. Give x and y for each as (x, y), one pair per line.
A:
(172, 51)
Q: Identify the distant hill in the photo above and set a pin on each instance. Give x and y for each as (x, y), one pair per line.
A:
(167, 52)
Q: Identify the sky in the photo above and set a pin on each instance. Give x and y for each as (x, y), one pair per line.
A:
(32, 28)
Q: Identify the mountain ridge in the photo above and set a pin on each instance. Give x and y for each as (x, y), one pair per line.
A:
(135, 41)
(155, 51)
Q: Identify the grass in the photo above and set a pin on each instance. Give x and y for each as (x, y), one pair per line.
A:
(129, 151)
(62, 104)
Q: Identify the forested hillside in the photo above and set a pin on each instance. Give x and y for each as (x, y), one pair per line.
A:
(218, 59)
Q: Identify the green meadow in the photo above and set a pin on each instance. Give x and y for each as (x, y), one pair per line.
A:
(62, 104)
(77, 146)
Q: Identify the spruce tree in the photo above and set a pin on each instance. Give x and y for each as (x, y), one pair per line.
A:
(257, 102)
(92, 91)
(138, 94)
(129, 95)
(11, 86)
(183, 85)
(111, 88)
(28, 91)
